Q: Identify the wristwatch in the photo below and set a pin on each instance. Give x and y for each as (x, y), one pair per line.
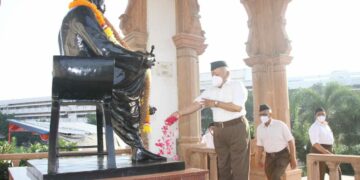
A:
(216, 103)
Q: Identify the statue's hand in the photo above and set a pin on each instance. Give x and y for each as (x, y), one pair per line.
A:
(152, 110)
(149, 57)
(149, 62)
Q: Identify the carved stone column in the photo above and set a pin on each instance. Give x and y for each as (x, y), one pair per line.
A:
(268, 48)
(270, 85)
(133, 24)
(189, 42)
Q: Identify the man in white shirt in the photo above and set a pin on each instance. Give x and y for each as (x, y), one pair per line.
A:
(231, 129)
(274, 137)
(322, 139)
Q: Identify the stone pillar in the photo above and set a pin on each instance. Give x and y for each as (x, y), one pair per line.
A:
(270, 85)
(133, 24)
(189, 42)
(268, 48)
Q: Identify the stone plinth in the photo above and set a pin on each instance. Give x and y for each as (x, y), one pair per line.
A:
(187, 174)
(20, 173)
(94, 167)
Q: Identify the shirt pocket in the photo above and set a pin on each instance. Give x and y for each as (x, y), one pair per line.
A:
(226, 95)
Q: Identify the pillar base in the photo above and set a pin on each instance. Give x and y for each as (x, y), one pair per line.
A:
(185, 143)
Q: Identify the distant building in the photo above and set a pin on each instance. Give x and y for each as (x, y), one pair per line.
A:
(34, 113)
(244, 75)
(39, 109)
(351, 79)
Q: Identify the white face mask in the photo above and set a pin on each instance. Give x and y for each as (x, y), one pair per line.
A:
(264, 119)
(217, 81)
(321, 118)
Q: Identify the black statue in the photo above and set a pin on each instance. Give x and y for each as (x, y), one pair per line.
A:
(82, 35)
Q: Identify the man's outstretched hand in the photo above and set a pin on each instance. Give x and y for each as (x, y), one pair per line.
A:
(172, 118)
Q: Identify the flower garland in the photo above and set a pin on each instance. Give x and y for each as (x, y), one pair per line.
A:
(145, 110)
(117, 36)
(103, 22)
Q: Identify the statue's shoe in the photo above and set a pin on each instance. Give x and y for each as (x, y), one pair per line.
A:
(140, 155)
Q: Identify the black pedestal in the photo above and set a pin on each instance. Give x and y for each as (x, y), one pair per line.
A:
(94, 167)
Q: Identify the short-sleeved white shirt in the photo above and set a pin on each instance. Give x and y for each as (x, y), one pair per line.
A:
(274, 137)
(321, 133)
(231, 91)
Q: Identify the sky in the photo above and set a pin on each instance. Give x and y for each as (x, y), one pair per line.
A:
(324, 37)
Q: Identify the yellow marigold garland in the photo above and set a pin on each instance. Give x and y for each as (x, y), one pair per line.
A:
(99, 17)
(116, 34)
(145, 110)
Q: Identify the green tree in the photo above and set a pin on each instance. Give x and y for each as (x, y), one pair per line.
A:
(249, 106)
(6, 148)
(206, 119)
(91, 119)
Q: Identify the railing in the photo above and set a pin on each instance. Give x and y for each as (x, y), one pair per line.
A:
(206, 158)
(16, 158)
(202, 158)
(333, 162)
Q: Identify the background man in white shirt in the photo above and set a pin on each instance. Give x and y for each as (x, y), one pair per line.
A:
(274, 137)
(208, 138)
(231, 129)
(322, 139)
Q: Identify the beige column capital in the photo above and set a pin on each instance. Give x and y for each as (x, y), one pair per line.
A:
(189, 33)
(270, 85)
(184, 40)
(267, 35)
(266, 60)
(137, 40)
(188, 18)
(133, 24)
